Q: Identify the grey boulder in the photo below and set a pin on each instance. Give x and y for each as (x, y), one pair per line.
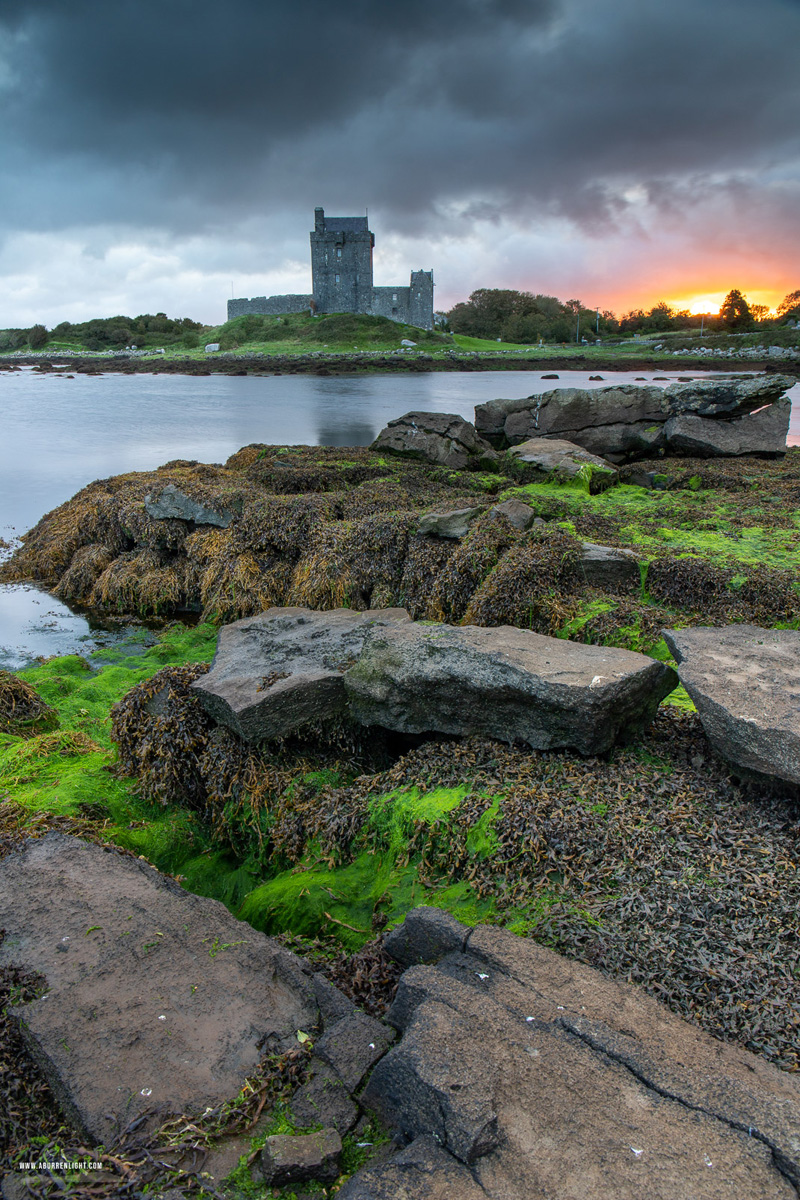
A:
(562, 460)
(423, 1171)
(298, 1158)
(541, 1077)
(505, 683)
(762, 433)
(172, 503)
(518, 514)
(620, 442)
(731, 396)
(610, 567)
(564, 409)
(745, 684)
(452, 524)
(442, 438)
(277, 671)
(632, 421)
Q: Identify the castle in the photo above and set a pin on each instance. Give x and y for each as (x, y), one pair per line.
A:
(341, 276)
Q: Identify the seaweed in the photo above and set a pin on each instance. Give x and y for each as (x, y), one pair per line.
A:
(22, 709)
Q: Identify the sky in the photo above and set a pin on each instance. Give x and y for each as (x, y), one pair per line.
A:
(163, 155)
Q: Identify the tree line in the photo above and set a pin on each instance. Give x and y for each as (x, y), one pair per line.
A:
(107, 333)
(522, 317)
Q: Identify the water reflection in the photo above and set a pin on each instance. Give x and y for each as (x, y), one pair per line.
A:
(350, 434)
(34, 624)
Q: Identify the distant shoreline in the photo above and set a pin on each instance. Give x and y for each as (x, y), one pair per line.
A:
(362, 364)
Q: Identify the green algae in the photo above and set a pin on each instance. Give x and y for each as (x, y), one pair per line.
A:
(693, 520)
(387, 876)
(72, 772)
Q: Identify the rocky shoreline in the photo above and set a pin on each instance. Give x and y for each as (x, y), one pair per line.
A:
(323, 780)
(500, 1070)
(322, 363)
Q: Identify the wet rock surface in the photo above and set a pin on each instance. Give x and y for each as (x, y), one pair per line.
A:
(423, 1171)
(745, 683)
(505, 683)
(443, 438)
(712, 417)
(157, 999)
(520, 1073)
(283, 668)
(171, 503)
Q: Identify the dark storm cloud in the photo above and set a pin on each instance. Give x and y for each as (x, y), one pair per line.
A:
(176, 112)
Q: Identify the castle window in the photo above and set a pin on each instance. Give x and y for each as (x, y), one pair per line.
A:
(338, 254)
(394, 297)
(337, 277)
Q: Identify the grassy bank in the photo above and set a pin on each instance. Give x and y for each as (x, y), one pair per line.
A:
(356, 342)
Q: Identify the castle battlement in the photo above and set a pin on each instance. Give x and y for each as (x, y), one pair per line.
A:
(341, 279)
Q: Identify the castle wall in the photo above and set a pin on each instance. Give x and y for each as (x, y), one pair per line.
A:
(341, 276)
(341, 263)
(268, 306)
(391, 302)
(420, 304)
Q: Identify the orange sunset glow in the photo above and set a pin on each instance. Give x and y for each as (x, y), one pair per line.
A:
(710, 302)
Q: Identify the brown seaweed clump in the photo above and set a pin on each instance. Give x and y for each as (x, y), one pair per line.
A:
(22, 709)
(161, 731)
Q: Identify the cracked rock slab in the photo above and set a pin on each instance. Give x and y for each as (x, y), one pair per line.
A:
(761, 433)
(158, 1000)
(505, 683)
(283, 668)
(546, 1079)
(745, 684)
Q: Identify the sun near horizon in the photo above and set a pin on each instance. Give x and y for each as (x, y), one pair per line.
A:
(711, 302)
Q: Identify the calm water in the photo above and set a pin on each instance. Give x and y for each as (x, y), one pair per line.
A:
(58, 434)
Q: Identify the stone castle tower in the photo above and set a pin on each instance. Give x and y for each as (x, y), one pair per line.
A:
(341, 278)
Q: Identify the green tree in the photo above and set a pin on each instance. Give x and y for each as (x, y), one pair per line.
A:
(37, 337)
(735, 311)
(790, 305)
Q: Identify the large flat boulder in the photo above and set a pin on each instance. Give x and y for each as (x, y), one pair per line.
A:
(730, 396)
(277, 671)
(762, 433)
(504, 683)
(157, 999)
(550, 459)
(442, 438)
(565, 409)
(522, 1074)
(640, 439)
(745, 684)
(631, 421)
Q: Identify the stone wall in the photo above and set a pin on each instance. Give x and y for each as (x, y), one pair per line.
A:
(391, 302)
(271, 306)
